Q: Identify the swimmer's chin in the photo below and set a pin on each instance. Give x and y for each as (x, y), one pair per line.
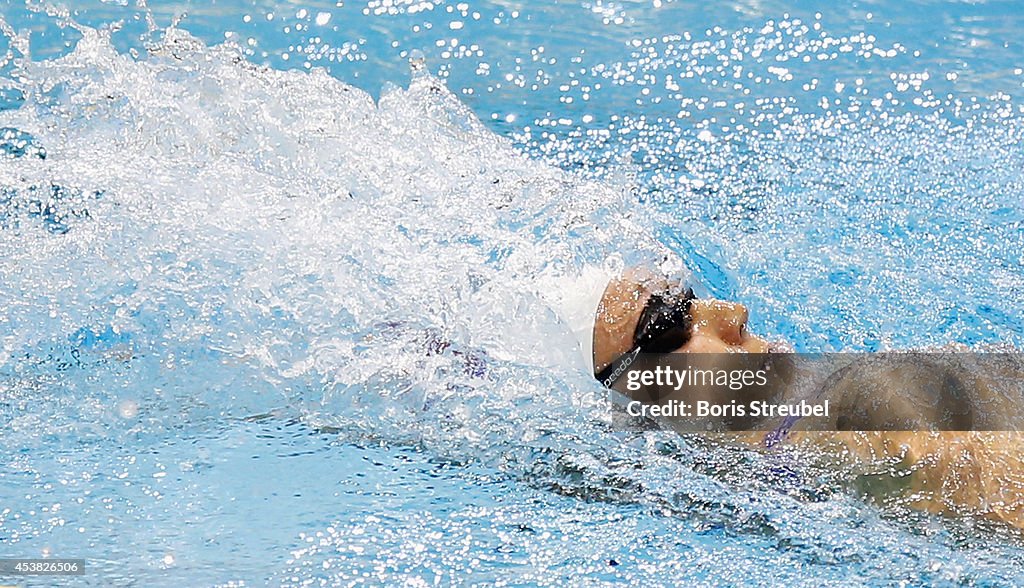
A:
(779, 362)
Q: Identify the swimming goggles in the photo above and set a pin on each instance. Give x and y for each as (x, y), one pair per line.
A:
(664, 326)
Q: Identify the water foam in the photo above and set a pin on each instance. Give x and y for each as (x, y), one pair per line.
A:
(238, 240)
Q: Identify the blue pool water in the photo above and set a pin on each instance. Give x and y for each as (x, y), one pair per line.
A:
(269, 297)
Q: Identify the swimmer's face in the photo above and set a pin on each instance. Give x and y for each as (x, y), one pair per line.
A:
(721, 327)
(716, 326)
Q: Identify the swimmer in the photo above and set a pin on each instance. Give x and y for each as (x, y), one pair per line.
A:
(953, 472)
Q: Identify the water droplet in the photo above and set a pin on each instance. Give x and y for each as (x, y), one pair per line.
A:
(128, 409)
(417, 63)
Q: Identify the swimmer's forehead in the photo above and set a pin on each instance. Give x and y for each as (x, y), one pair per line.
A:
(639, 284)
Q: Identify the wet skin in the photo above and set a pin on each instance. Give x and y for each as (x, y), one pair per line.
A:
(949, 472)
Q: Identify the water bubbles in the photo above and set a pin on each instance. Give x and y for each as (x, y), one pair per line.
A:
(417, 63)
(128, 409)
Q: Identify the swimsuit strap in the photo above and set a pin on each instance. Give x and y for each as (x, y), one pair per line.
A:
(776, 436)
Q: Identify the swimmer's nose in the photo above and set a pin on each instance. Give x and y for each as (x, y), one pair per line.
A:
(724, 320)
(717, 317)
